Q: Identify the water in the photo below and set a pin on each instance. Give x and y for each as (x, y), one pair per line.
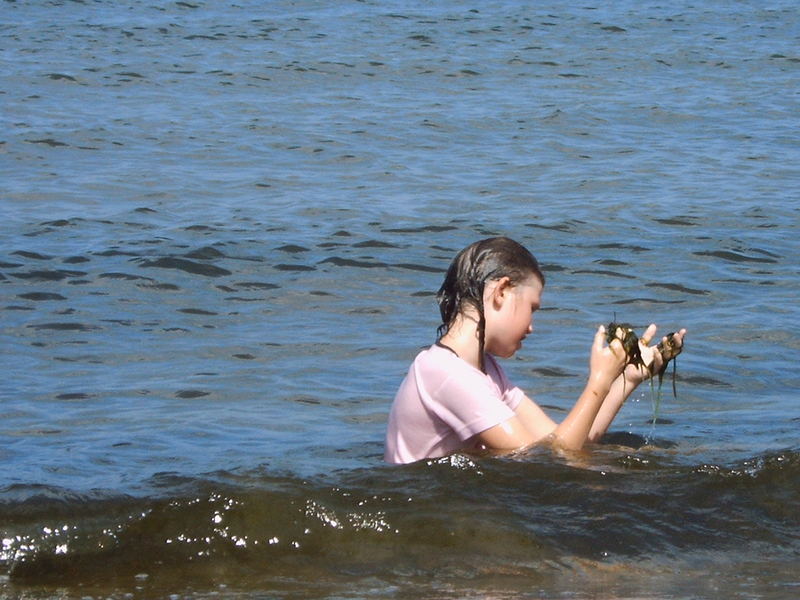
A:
(223, 227)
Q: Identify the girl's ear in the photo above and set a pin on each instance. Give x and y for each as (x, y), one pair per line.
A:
(499, 290)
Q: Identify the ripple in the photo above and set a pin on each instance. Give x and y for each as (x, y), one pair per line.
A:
(189, 394)
(41, 296)
(188, 266)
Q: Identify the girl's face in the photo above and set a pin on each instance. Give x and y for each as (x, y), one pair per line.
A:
(509, 314)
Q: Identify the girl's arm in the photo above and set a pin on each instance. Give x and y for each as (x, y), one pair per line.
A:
(530, 424)
(605, 366)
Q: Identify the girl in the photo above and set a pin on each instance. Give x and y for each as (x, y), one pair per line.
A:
(456, 397)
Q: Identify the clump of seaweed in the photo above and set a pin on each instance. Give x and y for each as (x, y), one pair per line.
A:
(630, 342)
(668, 348)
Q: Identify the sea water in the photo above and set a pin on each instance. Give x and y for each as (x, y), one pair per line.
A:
(223, 228)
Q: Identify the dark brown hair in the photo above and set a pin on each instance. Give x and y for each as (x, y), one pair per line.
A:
(482, 261)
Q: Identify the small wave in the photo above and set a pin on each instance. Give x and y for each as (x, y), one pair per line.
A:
(735, 256)
(532, 510)
(349, 262)
(32, 255)
(64, 327)
(676, 287)
(188, 266)
(48, 275)
(41, 296)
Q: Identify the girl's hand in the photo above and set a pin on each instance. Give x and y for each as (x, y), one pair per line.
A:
(651, 357)
(606, 362)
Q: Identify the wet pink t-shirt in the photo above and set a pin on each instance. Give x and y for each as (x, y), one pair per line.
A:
(443, 402)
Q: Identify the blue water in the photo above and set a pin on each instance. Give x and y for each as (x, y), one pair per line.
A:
(224, 225)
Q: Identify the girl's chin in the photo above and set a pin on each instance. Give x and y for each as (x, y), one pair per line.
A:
(507, 353)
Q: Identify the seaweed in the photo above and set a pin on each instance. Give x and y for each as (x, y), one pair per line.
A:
(667, 347)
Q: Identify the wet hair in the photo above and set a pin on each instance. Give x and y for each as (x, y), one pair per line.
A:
(465, 281)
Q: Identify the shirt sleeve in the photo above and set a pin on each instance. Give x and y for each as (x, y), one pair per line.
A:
(469, 404)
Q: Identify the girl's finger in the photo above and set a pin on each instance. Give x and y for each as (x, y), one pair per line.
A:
(599, 337)
(648, 334)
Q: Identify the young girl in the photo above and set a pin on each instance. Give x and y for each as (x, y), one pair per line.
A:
(456, 397)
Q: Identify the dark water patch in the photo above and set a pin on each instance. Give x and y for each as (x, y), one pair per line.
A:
(623, 438)
(167, 287)
(114, 252)
(197, 311)
(63, 327)
(74, 396)
(551, 372)
(676, 287)
(349, 262)
(190, 394)
(123, 322)
(621, 246)
(614, 29)
(188, 266)
(292, 249)
(765, 253)
(48, 142)
(48, 275)
(552, 268)
(608, 262)
(417, 267)
(205, 253)
(60, 77)
(17, 307)
(366, 311)
(659, 421)
(74, 260)
(678, 221)
(604, 272)
(647, 301)
(32, 255)
(7, 265)
(244, 356)
(703, 380)
(423, 229)
(734, 256)
(374, 244)
(423, 294)
(295, 268)
(256, 285)
(41, 296)
(125, 276)
(305, 399)
(320, 293)
(566, 227)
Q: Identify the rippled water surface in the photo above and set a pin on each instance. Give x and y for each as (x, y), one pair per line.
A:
(223, 225)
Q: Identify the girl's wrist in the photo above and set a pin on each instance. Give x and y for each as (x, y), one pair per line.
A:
(599, 383)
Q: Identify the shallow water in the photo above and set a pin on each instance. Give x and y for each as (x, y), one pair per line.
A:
(224, 225)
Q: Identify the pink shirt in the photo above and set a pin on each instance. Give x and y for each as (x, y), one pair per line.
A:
(443, 402)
